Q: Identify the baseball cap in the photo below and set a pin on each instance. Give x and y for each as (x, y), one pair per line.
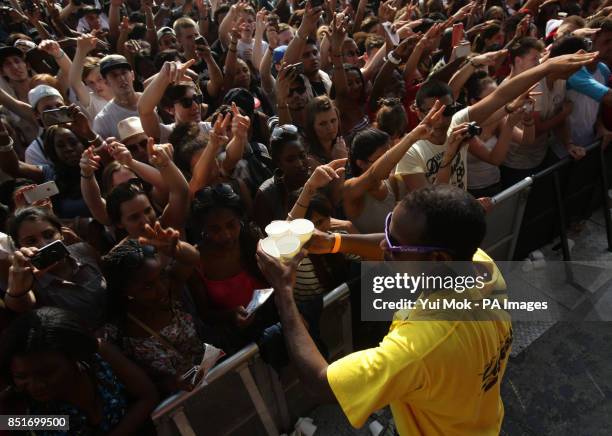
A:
(41, 91)
(129, 127)
(9, 50)
(278, 54)
(112, 62)
(551, 27)
(243, 99)
(164, 31)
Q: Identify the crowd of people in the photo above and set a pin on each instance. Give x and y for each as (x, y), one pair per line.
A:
(175, 131)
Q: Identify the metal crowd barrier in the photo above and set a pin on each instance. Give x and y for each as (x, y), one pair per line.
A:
(172, 409)
(508, 225)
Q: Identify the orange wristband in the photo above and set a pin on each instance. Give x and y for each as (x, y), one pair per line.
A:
(337, 242)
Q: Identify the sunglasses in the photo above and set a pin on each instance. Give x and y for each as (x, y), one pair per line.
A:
(187, 102)
(299, 90)
(283, 130)
(142, 145)
(420, 249)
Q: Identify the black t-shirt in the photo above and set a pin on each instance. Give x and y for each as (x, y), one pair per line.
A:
(318, 88)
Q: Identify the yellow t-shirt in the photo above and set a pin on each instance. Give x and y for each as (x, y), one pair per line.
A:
(439, 377)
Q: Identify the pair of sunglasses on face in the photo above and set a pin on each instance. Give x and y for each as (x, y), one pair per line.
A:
(187, 102)
(392, 247)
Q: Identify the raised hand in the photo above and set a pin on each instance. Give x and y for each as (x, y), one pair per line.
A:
(386, 11)
(457, 137)
(576, 151)
(310, 20)
(80, 123)
(120, 153)
(175, 71)
(240, 124)
(164, 240)
(50, 46)
(281, 276)
(285, 78)
(132, 46)
(339, 30)
(491, 58)
(160, 155)
(426, 127)
(323, 175)
(218, 135)
(125, 26)
(87, 42)
(566, 65)
(260, 21)
(90, 162)
(21, 271)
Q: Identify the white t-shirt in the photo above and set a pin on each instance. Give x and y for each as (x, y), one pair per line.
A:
(483, 174)
(425, 157)
(96, 104)
(35, 153)
(105, 123)
(548, 104)
(586, 90)
(166, 129)
(245, 51)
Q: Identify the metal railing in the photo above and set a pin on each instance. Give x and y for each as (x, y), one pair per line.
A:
(523, 187)
(173, 407)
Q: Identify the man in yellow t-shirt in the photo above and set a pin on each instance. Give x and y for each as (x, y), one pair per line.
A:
(439, 377)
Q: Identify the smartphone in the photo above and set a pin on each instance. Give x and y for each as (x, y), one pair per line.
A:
(463, 49)
(49, 254)
(53, 117)
(200, 40)
(44, 190)
(391, 32)
(457, 34)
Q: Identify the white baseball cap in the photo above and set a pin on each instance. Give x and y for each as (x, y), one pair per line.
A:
(129, 127)
(41, 91)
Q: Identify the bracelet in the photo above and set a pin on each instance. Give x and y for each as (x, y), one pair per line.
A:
(472, 63)
(17, 296)
(8, 147)
(337, 243)
(393, 59)
(61, 55)
(83, 176)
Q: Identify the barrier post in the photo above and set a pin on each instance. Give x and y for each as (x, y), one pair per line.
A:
(606, 201)
(258, 401)
(182, 422)
(562, 220)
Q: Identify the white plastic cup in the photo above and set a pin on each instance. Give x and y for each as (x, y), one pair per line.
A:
(305, 427)
(539, 264)
(376, 428)
(268, 245)
(302, 229)
(288, 247)
(277, 229)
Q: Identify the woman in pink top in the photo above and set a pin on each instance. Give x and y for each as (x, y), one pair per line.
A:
(229, 273)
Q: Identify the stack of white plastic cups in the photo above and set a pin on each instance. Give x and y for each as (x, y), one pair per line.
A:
(286, 238)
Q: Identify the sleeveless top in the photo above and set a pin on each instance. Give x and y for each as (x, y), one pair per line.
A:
(482, 174)
(373, 214)
(232, 292)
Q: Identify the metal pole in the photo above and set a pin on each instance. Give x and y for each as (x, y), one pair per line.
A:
(258, 401)
(562, 220)
(606, 202)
